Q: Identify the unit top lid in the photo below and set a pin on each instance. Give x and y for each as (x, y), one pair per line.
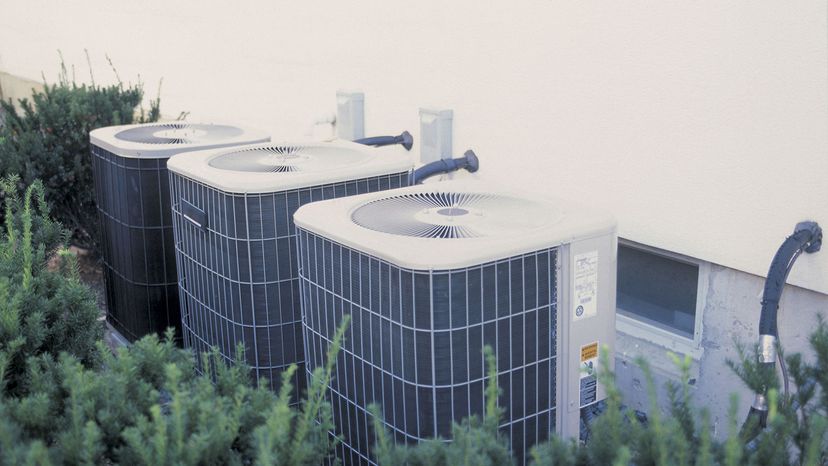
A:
(451, 224)
(281, 166)
(162, 140)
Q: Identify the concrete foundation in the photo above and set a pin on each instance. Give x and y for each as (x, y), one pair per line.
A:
(731, 314)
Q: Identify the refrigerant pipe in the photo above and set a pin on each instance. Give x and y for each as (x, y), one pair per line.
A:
(468, 161)
(807, 237)
(405, 139)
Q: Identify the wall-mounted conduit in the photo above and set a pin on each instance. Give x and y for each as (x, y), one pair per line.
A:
(807, 237)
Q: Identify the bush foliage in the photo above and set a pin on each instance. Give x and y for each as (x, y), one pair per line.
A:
(48, 140)
(66, 399)
(44, 308)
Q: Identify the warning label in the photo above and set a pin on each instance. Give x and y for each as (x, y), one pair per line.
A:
(585, 299)
(589, 378)
(589, 352)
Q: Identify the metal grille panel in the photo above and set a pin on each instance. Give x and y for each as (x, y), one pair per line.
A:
(237, 268)
(416, 338)
(136, 243)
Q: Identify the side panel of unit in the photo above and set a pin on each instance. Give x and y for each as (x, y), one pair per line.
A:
(416, 338)
(237, 268)
(136, 241)
(587, 280)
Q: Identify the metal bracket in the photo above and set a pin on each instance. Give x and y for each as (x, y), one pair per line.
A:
(767, 349)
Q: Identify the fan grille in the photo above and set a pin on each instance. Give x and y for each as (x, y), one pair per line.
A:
(270, 159)
(453, 215)
(287, 159)
(178, 133)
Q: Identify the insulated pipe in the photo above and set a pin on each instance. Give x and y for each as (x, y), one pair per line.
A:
(405, 139)
(468, 161)
(807, 237)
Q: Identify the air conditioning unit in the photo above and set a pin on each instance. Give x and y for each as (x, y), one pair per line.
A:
(236, 242)
(429, 275)
(132, 192)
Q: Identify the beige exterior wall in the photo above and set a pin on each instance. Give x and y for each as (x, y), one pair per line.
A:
(703, 126)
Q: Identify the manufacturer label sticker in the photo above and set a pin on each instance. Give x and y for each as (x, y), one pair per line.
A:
(585, 299)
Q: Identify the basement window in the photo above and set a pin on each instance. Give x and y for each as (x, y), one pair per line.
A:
(660, 296)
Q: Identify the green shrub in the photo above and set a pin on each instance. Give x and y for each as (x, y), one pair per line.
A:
(44, 308)
(66, 399)
(147, 406)
(48, 139)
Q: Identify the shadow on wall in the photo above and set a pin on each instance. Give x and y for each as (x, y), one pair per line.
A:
(15, 88)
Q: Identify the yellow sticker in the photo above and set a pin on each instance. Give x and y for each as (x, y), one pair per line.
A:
(589, 351)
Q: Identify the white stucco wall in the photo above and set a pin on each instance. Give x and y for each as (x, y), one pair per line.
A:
(702, 125)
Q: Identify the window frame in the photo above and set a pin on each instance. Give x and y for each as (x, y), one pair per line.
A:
(639, 328)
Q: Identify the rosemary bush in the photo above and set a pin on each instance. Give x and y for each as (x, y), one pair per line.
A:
(66, 399)
(44, 308)
(48, 140)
